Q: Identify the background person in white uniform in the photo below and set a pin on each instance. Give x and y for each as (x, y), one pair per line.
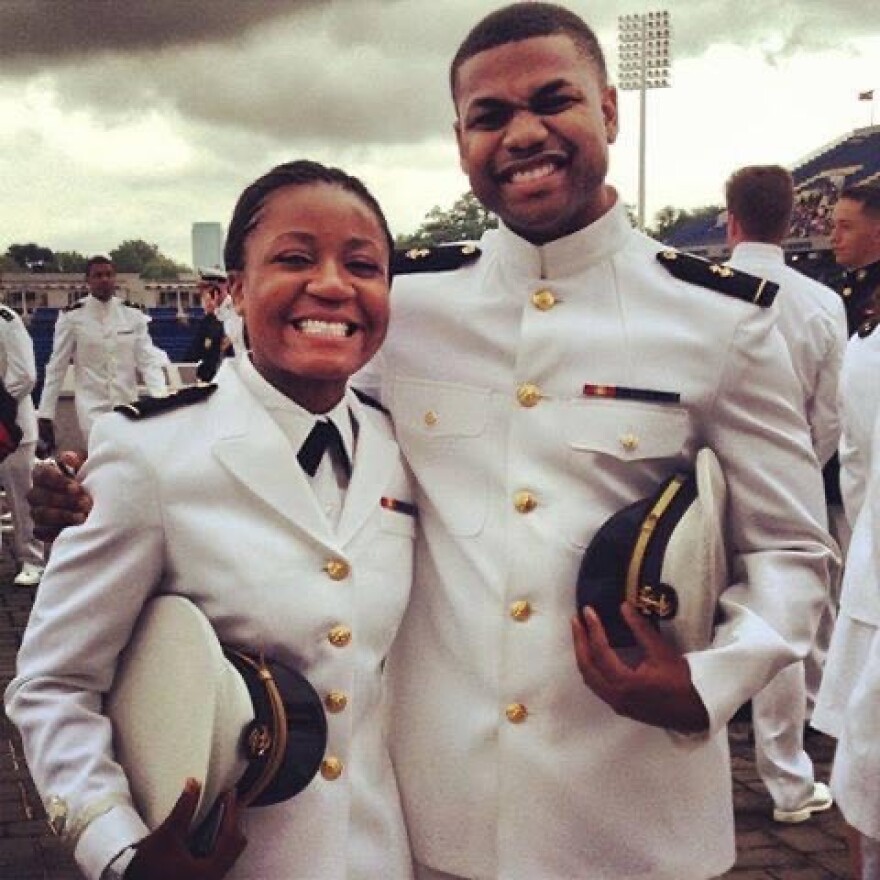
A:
(19, 375)
(315, 573)
(109, 344)
(812, 320)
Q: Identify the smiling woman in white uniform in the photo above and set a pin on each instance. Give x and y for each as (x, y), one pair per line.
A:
(314, 571)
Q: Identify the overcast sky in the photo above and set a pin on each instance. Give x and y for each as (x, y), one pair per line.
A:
(133, 118)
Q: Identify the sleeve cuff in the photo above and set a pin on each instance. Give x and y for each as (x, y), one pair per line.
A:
(106, 840)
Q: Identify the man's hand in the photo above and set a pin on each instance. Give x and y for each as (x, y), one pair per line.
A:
(46, 433)
(164, 854)
(658, 691)
(56, 499)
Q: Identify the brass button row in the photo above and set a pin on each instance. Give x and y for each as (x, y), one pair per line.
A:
(524, 501)
(339, 636)
(521, 610)
(516, 713)
(331, 768)
(544, 300)
(337, 569)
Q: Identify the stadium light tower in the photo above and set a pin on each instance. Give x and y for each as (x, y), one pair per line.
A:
(643, 63)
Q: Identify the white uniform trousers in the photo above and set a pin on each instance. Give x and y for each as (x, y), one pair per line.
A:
(15, 474)
(777, 718)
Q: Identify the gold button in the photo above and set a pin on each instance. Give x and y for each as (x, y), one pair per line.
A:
(339, 636)
(544, 300)
(337, 569)
(525, 502)
(528, 394)
(521, 610)
(431, 418)
(335, 701)
(516, 713)
(629, 442)
(331, 768)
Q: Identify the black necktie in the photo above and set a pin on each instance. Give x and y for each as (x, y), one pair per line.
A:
(323, 436)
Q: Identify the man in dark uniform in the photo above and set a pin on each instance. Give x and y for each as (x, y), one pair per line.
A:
(210, 344)
(855, 238)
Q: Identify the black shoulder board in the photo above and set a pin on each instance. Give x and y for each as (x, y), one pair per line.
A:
(6, 313)
(440, 258)
(866, 328)
(77, 305)
(370, 401)
(724, 279)
(152, 406)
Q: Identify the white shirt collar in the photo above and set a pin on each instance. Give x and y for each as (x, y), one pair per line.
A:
(295, 421)
(757, 250)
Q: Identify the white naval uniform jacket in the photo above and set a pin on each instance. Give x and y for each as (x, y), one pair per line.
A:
(812, 320)
(18, 370)
(108, 344)
(856, 769)
(209, 502)
(509, 766)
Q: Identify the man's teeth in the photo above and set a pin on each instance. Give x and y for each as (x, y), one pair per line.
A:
(312, 327)
(533, 173)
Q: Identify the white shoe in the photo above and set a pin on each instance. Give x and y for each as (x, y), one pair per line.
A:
(820, 800)
(29, 576)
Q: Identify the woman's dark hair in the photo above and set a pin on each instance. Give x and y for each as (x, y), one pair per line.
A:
(303, 172)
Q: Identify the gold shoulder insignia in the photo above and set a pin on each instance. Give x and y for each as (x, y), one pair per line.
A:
(153, 406)
(715, 276)
(867, 327)
(440, 258)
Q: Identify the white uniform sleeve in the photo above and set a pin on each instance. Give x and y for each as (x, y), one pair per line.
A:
(782, 559)
(150, 361)
(826, 334)
(21, 368)
(99, 576)
(63, 348)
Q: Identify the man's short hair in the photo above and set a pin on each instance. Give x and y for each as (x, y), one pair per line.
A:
(866, 194)
(97, 260)
(522, 21)
(761, 197)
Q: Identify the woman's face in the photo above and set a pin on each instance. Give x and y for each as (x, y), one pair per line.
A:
(313, 291)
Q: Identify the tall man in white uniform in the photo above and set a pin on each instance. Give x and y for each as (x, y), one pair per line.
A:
(108, 343)
(523, 746)
(510, 766)
(812, 320)
(18, 372)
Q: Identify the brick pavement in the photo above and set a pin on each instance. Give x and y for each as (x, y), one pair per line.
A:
(814, 850)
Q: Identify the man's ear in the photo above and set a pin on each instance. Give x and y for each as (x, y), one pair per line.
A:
(236, 291)
(610, 114)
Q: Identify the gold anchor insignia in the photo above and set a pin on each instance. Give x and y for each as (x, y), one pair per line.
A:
(669, 255)
(417, 253)
(259, 741)
(723, 271)
(652, 602)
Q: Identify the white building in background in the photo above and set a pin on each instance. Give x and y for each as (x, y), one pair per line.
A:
(207, 245)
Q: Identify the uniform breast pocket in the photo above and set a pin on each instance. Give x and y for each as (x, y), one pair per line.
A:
(394, 522)
(625, 430)
(442, 429)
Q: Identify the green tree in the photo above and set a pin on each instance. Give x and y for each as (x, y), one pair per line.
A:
(32, 257)
(132, 255)
(162, 268)
(70, 261)
(670, 220)
(466, 220)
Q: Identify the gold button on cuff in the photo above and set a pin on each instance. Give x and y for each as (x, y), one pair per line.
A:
(335, 701)
(525, 502)
(339, 636)
(431, 418)
(528, 394)
(543, 300)
(521, 610)
(516, 713)
(337, 569)
(629, 442)
(331, 768)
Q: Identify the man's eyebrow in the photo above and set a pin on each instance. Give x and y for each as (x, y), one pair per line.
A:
(489, 101)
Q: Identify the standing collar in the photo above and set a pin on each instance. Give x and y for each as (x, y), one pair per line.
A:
(758, 250)
(570, 254)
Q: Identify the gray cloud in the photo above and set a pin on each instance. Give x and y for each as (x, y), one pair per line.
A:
(339, 71)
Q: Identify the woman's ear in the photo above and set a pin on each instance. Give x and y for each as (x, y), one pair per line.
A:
(236, 291)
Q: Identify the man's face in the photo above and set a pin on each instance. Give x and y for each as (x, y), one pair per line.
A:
(102, 281)
(855, 235)
(534, 123)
